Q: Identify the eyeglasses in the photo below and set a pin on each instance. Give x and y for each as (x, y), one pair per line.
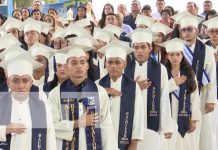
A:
(188, 29)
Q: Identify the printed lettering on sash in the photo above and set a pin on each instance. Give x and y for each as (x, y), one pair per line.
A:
(39, 141)
(153, 112)
(124, 139)
(183, 112)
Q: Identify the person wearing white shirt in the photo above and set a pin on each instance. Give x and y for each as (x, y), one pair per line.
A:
(201, 58)
(184, 96)
(153, 81)
(126, 108)
(25, 121)
(80, 108)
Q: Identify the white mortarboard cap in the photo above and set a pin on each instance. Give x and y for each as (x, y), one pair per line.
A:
(211, 23)
(158, 27)
(75, 51)
(8, 41)
(83, 22)
(31, 24)
(77, 30)
(23, 64)
(189, 20)
(116, 49)
(174, 45)
(60, 32)
(141, 35)
(60, 58)
(46, 27)
(144, 20)
(178, 16)
(88, 41)
(2, 33)
(40, 49)
(113, 29)
(11, 23)
(11, 52)
(103, 35)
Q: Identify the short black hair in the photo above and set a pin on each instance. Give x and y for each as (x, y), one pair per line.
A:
(146, 7)
(165, 10)
(35, 10)
(53, 10)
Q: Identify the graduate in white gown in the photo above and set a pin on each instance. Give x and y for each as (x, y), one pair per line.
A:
(26, 121)
(184, 96)
(212, 28)
(81, 121)
(42, 54)
(153, 81)
(103, 37)
(201, 58)
(127, 108)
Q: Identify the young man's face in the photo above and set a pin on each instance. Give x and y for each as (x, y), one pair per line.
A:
(37, 15)
(189, 33)
(142, 51)
(37, 5)
(20, 86)
(111, 19)
(213, 34)
(115, 67)
(31, 37)
(78, 67)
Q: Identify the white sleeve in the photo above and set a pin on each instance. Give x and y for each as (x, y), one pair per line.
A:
(195, 105)
(51, 139)
(211, 71)
(63, 128)
(3, 133)
(138, 121)
(172, 85)
(107, 130)
(165, 109)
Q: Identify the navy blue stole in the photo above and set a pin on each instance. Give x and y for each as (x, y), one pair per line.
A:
(127, 107)
(97, 67)
(54, 64)
(153, 96)
(71, 96)
(198, 62)
(209, 44)
(184, 111)
(124, 37)
(50, 85)
(46, 71)
(38, 117)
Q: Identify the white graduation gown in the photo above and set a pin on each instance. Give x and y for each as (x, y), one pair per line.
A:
(165, 113)
(21, 114)
(103, 71)
(64, 128)
(189, 142)
(138, 119)
(208, 94)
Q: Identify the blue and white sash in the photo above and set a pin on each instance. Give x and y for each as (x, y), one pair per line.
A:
(189, 55)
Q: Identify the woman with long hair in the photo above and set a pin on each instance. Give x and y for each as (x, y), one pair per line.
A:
(184, 96)
(90, 13)
(81, 13)
(108, 8)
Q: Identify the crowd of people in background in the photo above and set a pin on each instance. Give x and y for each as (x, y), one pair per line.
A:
(151, 69)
